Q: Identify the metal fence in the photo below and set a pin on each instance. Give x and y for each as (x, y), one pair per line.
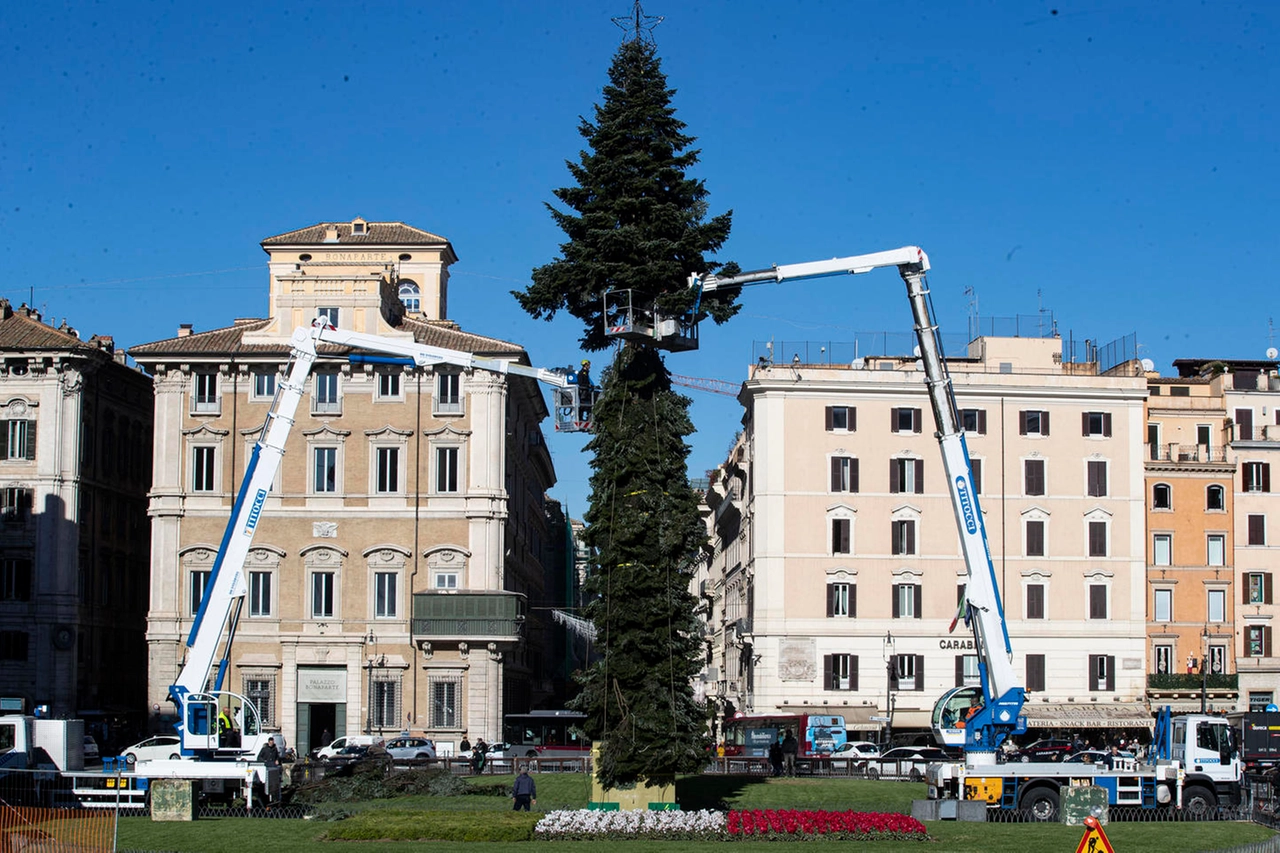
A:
(38, 811)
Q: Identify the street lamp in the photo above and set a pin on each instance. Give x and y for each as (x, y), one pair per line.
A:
(368, 718)
(1204, 671)
(891, 666)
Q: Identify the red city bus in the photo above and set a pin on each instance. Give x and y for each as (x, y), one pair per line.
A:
(817, 734)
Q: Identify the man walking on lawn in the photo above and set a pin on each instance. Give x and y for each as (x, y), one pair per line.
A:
(524, 790)
(789, 749)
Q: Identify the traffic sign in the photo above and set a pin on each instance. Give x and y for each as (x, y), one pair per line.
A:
(1095, 840)
(879, 719)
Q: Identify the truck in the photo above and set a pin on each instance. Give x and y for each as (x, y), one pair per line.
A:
(1259, 738)
(220, 731)
(1195, 764)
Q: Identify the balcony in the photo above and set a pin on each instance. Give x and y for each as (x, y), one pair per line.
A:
(1165, 456)
(470, 616)
(1191, 681)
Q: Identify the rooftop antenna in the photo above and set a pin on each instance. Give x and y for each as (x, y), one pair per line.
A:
(637, 26)
(973, 313)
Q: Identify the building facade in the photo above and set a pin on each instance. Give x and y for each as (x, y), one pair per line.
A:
(837, 568)
(397, 572)
(75, 439)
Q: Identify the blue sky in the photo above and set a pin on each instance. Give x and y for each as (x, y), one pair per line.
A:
(1114, 163)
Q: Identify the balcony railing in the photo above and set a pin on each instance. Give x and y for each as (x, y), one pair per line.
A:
(1185, 453)
(468, 615)
(1191, 681)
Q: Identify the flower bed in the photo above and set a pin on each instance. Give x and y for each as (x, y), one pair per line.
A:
(755, 824)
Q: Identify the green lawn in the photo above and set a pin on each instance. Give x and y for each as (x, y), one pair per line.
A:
(572, 791)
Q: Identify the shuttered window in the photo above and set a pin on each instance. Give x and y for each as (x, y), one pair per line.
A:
(1097, 478)
(1033, 476)
(1035, 673)
(844, 474)
(840, 672)
(842, 600)
(1102, 675)
(1097, 601)
(1257, 530)
(841, 536)
(1035, 601)
(1035, 539)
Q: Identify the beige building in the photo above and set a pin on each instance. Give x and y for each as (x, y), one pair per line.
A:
(837, 567)
(391, 575)
(75, 439)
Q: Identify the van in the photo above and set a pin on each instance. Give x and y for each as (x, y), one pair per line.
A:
(329, 751)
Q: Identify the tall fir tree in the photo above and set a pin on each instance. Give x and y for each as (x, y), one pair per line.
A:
(635, 220)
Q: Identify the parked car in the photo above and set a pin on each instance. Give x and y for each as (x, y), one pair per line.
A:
(1049, 749)
(90, 749)
(330, 750)
(156, 748)
(1086, 756)
(857, 749)
(410, 748)
(908, 761)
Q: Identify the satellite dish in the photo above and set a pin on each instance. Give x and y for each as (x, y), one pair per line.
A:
(1148, 365)
(1272, 352)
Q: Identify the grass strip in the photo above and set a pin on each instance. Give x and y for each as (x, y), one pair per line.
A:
(388, 825)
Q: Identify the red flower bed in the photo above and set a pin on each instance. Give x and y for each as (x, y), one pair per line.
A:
(777, 824)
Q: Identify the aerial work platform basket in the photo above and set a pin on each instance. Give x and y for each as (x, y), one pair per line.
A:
(632, 317)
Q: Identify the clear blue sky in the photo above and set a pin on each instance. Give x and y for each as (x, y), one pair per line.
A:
(1115, 162)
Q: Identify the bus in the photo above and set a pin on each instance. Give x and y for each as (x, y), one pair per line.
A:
(545, 734)
(752, 735)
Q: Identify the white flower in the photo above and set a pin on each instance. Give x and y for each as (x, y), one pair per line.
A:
(586, 822)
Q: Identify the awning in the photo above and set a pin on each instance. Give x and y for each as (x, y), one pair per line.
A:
(1071, 715)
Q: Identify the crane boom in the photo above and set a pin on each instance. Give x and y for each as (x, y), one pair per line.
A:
(1003, 692)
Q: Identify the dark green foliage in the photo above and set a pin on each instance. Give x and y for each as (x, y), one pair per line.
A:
(374, 780)
(635, 220)
(644, 527)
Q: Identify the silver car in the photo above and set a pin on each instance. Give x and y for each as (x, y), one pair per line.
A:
(410, 748)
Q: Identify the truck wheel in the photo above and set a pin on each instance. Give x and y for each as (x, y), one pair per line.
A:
(130, 758)
(533, 753)
(1041, 804)
(1199, 803)
(873, 773)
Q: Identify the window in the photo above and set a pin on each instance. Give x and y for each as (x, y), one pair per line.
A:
(906, 476)
(199, 581)
(325, 401)
(448, 399)
(14, 645)
(1259, 700)
(908, 672)
(411, 296)
(1180, 391)
(329, 315)
(1033, 477)
(326, 470)
(844, 474)
(1244, 424)
(385, 702)
(1257, 641)
(1035, 601)
(1096, 423)
(206, 398)
(202, 468)
(907, 600)
(1035, 673)
(1257, 588)
(1097, 470)
(15, 503)
(1163, 605)
(842, 419)
(975, 468)
(1217, 660)
(1164, 659)
(264, 384)
(967, 670)
(1214, 498)
(444, 702)
(1217, 605)
(904, 420)
(904, 537)
(15, 579)
(261, 691)
(1162, 549)
(1033, 423)
(1161, 496)
(974, 420)
(1217, 549)
(388, 386)
(840, 672)
(322, 595)
(388, 473)
(1097, 601)
(259, 593)
(384, 595)
(446, 470)
(842, 599)
(445, 580)
(20, 440)
(1035, 539)
(1097, 539)
(1257, 530)
(841, 536)
(1102, 669)
(1257, 476)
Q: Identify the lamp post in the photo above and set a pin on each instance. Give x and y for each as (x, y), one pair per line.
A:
(1204, 672)
(890, 667)
(368, 717)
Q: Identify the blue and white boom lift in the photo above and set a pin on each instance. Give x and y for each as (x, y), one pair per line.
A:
(198, 691)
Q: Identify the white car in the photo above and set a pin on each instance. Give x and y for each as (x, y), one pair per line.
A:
(410, 748)
(90, 749)
(857, 749)
(332, 749)
(156, 748)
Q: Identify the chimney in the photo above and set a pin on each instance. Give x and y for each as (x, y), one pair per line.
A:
(106, 343)
(6, 309)
(184, 329)
(331, 234)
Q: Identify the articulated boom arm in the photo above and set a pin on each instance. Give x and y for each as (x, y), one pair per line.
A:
(225, 589)
(1002, 690)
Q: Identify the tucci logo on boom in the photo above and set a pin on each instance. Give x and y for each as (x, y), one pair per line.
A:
(255, 511)
(966, 505)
